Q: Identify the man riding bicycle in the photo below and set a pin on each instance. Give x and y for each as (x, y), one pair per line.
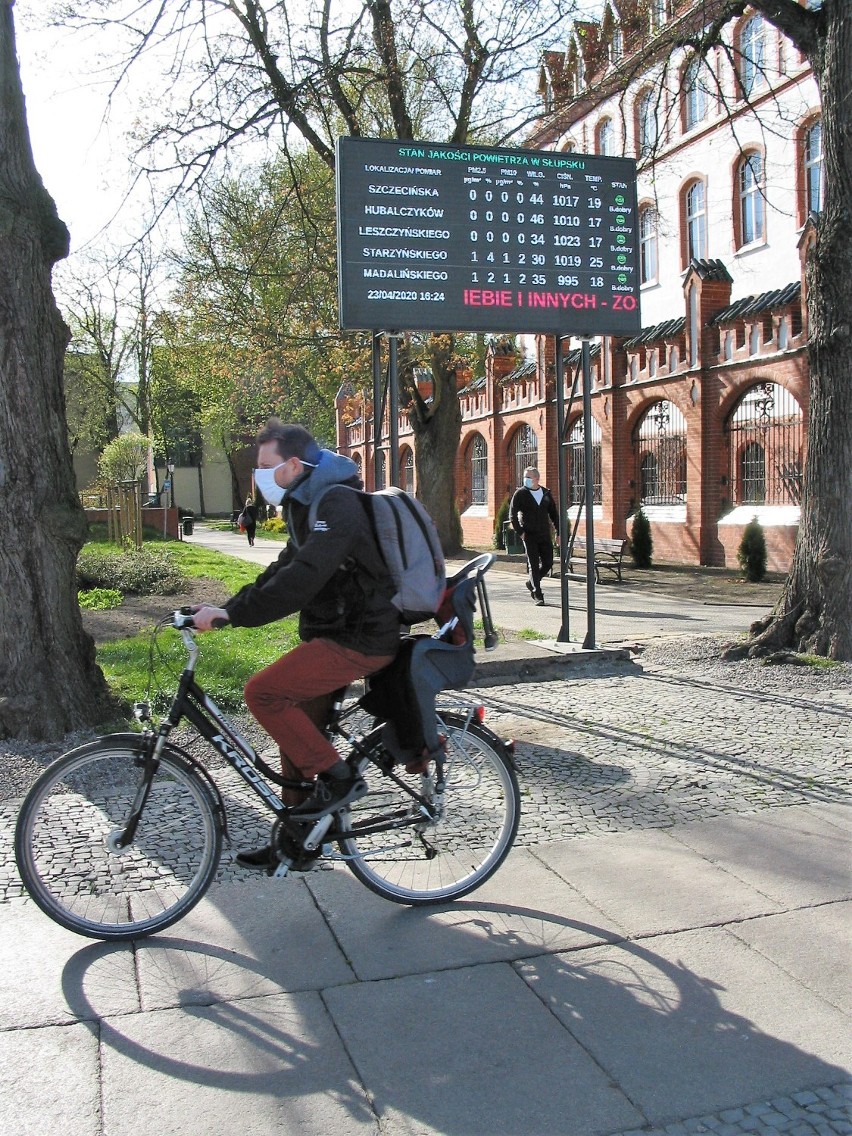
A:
(336, 578)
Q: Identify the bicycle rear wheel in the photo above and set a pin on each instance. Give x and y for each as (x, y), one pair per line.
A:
(65, 840)
(425, 861)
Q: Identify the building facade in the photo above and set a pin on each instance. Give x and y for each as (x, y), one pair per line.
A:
(700, 418)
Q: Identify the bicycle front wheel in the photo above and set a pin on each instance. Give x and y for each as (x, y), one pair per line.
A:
(66, 840)
(434, 860)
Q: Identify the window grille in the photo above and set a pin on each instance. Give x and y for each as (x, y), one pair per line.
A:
(766, 441)
(660, 441)
(577, 464)
(524, 452)
(407, 470)
(478, 471)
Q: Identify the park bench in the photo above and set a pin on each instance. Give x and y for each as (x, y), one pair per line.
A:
(608, 555)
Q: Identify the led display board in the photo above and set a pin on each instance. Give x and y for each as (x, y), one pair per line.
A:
(470, 238)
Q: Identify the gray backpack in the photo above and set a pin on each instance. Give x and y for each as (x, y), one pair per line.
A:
(408, 541)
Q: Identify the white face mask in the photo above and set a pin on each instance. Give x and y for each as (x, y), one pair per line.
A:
(269, 488)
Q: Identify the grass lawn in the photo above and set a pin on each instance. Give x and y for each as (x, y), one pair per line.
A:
(227, 658)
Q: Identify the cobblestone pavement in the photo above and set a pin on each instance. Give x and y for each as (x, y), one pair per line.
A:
(821, 1112)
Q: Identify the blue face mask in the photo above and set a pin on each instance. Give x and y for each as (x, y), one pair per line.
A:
(528, 482)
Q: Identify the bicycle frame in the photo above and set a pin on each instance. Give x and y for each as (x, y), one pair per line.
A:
(192, 703)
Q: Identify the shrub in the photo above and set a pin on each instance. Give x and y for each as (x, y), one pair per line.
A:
(123, 459)
(274, 525)
(641, 541)
(140, 573)
(99, 599)
(751, 554)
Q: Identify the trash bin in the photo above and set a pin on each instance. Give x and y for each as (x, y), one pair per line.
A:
(188, 522)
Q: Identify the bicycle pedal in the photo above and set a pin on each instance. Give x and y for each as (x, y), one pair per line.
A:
(282, 870)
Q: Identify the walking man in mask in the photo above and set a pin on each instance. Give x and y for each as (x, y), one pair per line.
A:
(336, 578)
(532, 512)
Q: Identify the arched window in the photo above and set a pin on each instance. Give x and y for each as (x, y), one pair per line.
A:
(648, 244)
(766, 435)
(406, 469)
(616, 45)
(478, 456)
(695, 99)
(696, 221)
(813, 168)
(752, 204)
(660, 441)
(577, 464)
(605, 137)
(658, 14)
(524, 452)
(647, 131)
(752, 54)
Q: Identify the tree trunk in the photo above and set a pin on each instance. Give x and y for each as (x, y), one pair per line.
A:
(437, 429)
(814, 613)
(49, 681)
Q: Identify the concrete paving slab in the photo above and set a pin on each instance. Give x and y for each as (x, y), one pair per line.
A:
(472, 1052)
(253, 1067)
(648, 882)
(245, 939)
(693, 1023)
(813, 945)
(789, 854)
(64, 977)
(511, 916)
(50, 1081)
(838, 813)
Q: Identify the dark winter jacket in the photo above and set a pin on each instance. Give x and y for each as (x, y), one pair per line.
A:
(249, 516)
(334, 576)
(531, 519)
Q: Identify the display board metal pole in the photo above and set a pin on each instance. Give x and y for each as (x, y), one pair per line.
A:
(393, 407)
(563, 636)
(589, 641)
(377, 406)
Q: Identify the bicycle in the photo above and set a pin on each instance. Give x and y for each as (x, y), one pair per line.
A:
(121, 837)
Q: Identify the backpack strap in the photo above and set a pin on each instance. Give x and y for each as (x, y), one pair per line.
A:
(313, 509)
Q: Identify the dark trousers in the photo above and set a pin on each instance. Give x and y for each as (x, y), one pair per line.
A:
(539, 550)
(292, 698)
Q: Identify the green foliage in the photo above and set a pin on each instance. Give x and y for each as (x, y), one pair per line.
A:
(641, 541)
(99, 599)
(123, 459)
(144, 573)
(751, 555)
(275, 526)
(499, 521)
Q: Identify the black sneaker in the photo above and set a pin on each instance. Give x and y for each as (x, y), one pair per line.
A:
(259, 860)
(539, 599)
(330, 794)
(529, 587)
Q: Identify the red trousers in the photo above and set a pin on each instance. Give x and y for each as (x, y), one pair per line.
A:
(292, 698)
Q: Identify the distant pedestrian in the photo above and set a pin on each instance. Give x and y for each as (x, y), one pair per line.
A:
(532, 512)
(247, 520)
